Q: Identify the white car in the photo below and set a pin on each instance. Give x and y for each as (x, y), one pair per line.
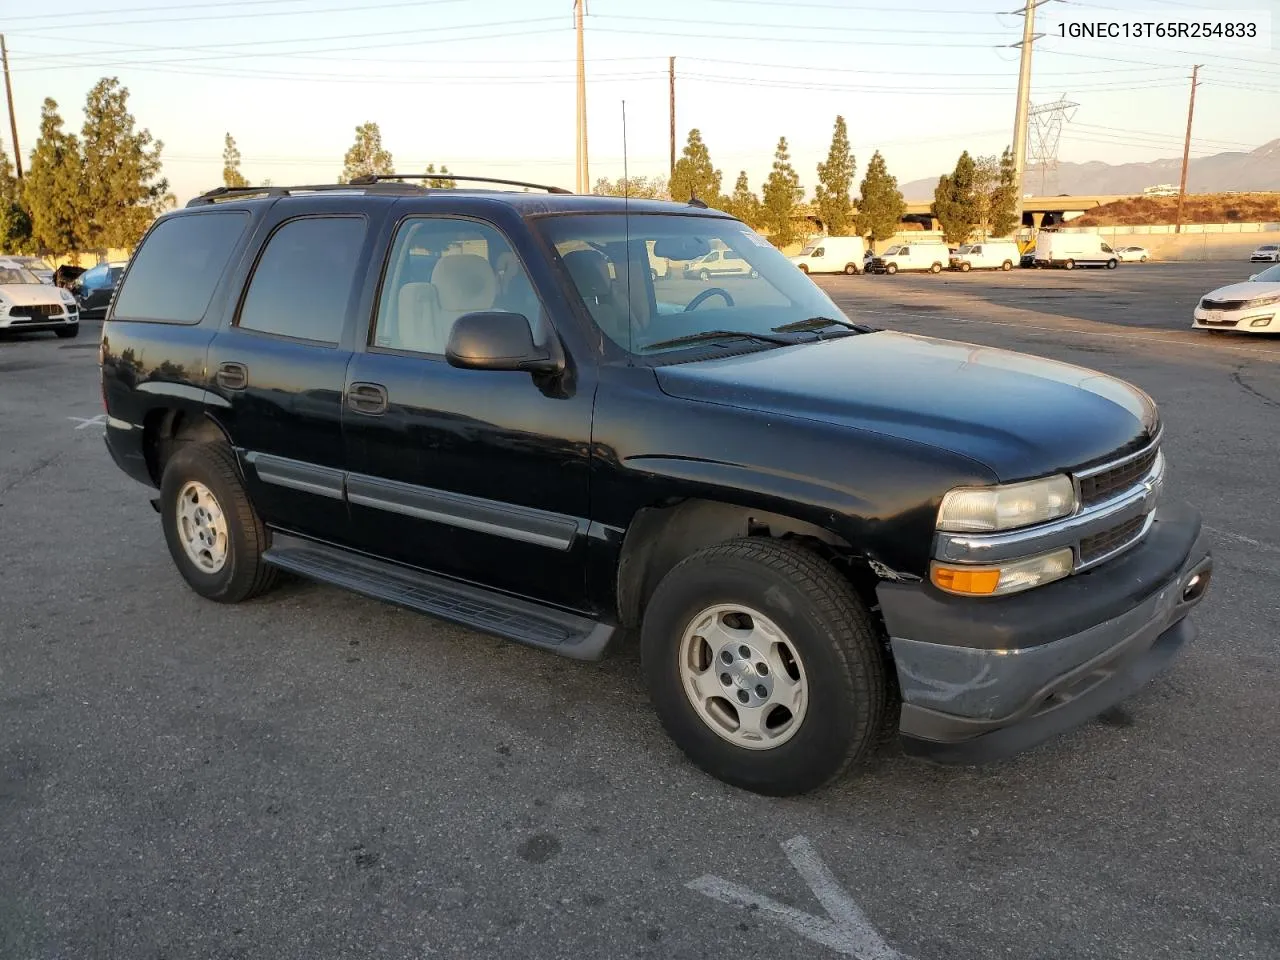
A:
(1267, 253)
(42, 270)
(719, 263)
(28, 304)
(1133, 254)
(1250, 307)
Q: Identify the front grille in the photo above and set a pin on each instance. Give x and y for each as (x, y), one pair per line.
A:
(37, 312)
(1106, 484)
(1101, 544)
(1224, 304)
(1218, 323)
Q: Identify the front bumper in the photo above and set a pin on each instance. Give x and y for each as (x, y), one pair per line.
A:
(982, 680)
(68, 318)
(1249, 320)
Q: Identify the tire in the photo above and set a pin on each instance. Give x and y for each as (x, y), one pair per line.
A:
(838, 657)
(890, 268)
(1069, 265)
(850, 269)
(704, 276)
(965, 267)
(67, 333)
(1111, 264)
(243, 573)
(754, 274)
(936, 268)
(1144, 259)
(1007, 265)
(804, 269)
(653, 274)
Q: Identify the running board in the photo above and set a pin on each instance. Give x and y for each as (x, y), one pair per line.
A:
(568, 634)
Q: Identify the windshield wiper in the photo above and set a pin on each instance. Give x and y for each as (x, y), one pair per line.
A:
(821, 323)
(719, 335)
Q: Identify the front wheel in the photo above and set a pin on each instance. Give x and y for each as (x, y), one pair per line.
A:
(764, 666)
(69, 331)
(891, 268)
(1111, 264)
(803, 268)
(1007, 265)
(704, 276)
(850, 269)
(1069, 265)
(965, 267)
(214, 535)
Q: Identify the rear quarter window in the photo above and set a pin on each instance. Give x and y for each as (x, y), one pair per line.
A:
(174, 273)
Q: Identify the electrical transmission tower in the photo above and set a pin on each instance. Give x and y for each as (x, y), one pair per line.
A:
(1046, 121)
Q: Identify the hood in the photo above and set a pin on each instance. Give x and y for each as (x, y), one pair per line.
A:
(30, 294)
(1020, 416)
(1248, 290)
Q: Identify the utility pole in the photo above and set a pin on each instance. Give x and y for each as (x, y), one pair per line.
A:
(584, 185)
(1024, 98)
(671, 78)
(13, 121)
(1186, 148)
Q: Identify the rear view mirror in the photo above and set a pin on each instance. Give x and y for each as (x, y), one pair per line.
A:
(681, 248)
(495, 340)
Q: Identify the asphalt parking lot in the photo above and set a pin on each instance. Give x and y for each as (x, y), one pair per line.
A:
(315, 775)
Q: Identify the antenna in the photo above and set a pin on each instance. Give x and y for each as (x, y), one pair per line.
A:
(626, 220)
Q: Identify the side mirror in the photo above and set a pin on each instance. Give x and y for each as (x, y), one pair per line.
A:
(495, 340)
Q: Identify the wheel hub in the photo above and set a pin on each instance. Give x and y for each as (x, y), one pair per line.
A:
(202, 527)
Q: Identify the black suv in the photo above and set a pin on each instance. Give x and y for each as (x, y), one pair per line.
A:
(483, 404)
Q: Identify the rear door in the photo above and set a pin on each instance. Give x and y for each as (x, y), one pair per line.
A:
(479, 475)
(278, 367)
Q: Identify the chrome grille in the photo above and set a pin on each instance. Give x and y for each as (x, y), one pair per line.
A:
(1224, 304)
(38, 311)
(1101, 486)
(1100, 545)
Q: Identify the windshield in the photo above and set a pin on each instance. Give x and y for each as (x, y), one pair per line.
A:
(1267, 248)
(749, 288)
(966, 248)
(808, 249)
(892, 251)
(1270, 275)
(17, 275)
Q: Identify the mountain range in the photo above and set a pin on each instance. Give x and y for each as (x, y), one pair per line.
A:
(1256, 170)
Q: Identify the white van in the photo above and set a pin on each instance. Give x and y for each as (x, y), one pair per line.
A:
(987, 255)
(832, 255)
(1071, 250)
(911, 256)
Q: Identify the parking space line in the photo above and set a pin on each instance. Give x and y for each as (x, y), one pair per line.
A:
(846, 929)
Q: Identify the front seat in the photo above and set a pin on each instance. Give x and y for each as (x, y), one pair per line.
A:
(464, 283)
(590, 272)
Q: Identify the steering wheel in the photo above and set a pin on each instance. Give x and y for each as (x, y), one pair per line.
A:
(712, 292)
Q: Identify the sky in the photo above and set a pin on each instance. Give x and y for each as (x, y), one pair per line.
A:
(487, 86)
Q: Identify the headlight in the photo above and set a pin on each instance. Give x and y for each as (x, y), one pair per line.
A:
(66, 296)
(1265, 301)
(991, 509)
(1010, 577)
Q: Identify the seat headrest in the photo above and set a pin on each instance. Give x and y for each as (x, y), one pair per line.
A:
(464, 281)
(590, 271)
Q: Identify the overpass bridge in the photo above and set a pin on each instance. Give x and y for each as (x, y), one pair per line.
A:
(1042, 211)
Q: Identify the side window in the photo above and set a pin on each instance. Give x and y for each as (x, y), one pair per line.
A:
(820, 252)
(441, 268)
(302, 282)
(905, 251)
(173, 275)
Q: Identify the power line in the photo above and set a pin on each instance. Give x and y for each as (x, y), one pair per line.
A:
(97, 25)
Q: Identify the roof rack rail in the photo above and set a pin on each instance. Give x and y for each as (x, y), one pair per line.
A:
(372, 178)
(224, 194)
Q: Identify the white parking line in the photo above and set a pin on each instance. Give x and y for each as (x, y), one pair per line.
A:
(1241, 538)
(99, 421)
(847, 931)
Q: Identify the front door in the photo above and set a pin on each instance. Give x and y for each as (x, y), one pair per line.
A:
(479, 475)
(277, 371)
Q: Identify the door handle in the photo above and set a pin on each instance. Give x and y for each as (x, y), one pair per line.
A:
(232, 376)
(368, 398)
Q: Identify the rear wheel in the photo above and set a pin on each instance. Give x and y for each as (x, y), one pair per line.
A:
(764, 667)
(1007, 265)
(214, 535)
(1069, 265)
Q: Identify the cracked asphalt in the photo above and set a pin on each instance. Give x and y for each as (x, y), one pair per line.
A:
(314, 775)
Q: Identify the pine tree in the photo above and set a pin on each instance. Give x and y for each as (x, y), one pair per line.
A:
(366, 155)
(51, 188)
(15, 222)
(880, 205)
(743, 203)
(694, 176)
(835, 181)
(986, 180)
(442, 182)
(953, 201)
(231, 175)
(782, 192)
(122, 190)
(1004, 198)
